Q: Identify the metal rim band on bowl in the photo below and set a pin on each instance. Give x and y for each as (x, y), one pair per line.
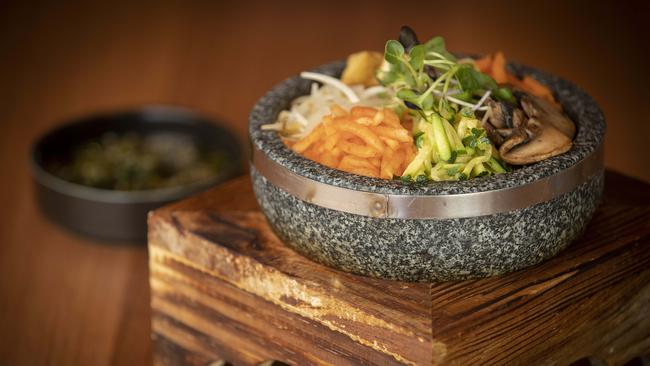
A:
(428, 207)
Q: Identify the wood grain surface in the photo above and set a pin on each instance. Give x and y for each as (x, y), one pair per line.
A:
(68, 300)
(209, 255)
(395, 318)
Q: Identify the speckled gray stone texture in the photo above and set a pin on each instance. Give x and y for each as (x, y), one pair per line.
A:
(429, 250)
(433, 249)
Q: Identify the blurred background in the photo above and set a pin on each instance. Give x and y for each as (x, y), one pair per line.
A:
(67, 300)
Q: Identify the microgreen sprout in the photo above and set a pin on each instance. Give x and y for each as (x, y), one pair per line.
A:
(442, 95)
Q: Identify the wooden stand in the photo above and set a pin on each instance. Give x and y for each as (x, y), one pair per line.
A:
(223, 287)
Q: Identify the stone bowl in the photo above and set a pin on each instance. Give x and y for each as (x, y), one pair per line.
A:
(434, 231)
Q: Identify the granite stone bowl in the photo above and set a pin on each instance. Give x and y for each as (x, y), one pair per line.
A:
(434, 231)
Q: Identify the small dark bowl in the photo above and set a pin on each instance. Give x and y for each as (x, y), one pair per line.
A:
(121, 215)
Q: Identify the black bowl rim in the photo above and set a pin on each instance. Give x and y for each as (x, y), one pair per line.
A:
(184, 115)
(576, 103)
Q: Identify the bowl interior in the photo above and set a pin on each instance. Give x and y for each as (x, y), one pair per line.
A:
(58, 144)
(579, 106)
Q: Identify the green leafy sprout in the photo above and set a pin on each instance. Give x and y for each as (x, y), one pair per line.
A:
(442, 95)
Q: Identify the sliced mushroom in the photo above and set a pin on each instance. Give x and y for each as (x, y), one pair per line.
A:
(503, 120)
(546, 112)
(494, 135)
(526, 136)
(547, 141)
(505, 132)
(519, 118)
(501, 114)
(517, 137)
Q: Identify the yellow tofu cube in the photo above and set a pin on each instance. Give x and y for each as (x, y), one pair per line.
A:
(361, 68)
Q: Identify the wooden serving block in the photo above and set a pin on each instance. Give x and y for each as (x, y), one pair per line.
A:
(225, 288)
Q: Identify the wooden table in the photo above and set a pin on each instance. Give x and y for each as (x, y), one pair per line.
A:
(223, 286)
(67, 300)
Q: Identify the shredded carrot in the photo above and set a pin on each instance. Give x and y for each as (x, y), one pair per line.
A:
(514, 81)
(536, 87)
(365, 141)
(484, 64)
(495, 66)
(499, 72)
